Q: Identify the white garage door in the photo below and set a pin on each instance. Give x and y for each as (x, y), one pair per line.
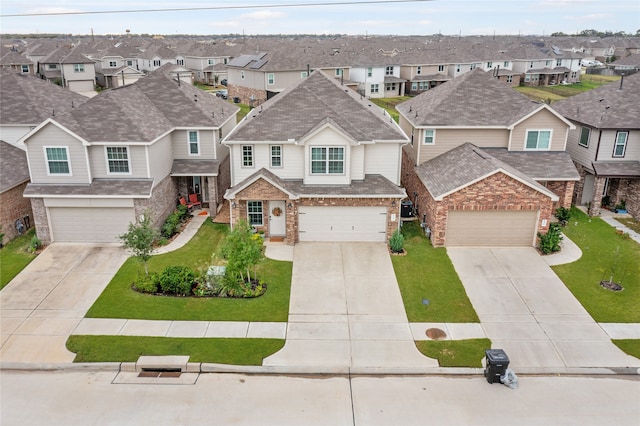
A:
(89, 224)
(342, 223)
(491, 228)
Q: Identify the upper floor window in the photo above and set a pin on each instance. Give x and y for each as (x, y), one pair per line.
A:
(489, 64)
(242, 75)
(58, 160)
(118, 159)
(129, 63)
(276, 155)
(339, 72)
(25, 69)
(180, 61)
(327, 160)
(429, 137)
(558, 62)
(52, 66)
(369, 72)
(585, 133)
(621, 144)
(247, 156)
(440, 68)
(254, 213)
(194, 142)
(506, 64)
(472, 66)
(156, 62)
(419, 70)
(388, 71)
(303, 75)
(547, 63)
(531, 64)
(211, 61)
(271, 79)
(225, 60)
(538, 139)
(78, 67)
(458, 67)
(113, 64)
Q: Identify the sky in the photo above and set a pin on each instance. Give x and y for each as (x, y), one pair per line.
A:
(417, 17)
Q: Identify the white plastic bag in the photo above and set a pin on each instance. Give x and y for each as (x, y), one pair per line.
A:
(509, 379)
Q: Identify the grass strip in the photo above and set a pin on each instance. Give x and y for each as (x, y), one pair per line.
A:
(211, 350)
(14, 257)
(455, 353)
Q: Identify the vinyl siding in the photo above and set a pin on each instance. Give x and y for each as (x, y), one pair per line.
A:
(579, 153)
(51, 135)
(406, 128)
(327, 137)
(632, 152)
(137, 162)
(11, 134)
(292, 162)
(542, 120)
(383, 159)
(447, 139)
(180, 144)
(358, 161)
(160, 159)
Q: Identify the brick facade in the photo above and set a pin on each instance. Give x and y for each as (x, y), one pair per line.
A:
(496, 192)
(162, 203)
(563, 189)
(262, 190)
(14, 206)
(245, 94)
(633, 197)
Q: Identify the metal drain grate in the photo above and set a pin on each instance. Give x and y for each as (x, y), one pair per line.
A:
(168, 373)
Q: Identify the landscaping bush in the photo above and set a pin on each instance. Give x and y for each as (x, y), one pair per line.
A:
(563, 214)
(172, 223)
(550, 242)
(148, 283)
(177, 280)
(396, 242)
(35, 244)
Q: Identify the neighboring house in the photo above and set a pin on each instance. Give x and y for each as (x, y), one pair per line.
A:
(486, 165)
(70, 68)
(97, 168)
(111, 78)
(27, 101)
(17, 62)
(15, 210)
(317, 163)
(157, 55)
(605, 144)
(208, 62)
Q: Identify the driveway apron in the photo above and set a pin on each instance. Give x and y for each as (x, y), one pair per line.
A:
(43, 304)
(527, 310)
(346, 311)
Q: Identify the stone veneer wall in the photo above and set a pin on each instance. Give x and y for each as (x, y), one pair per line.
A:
(245, 93)
(162, 203)
(40, 220)
(14, 206)
(222, 183)
(579, 186)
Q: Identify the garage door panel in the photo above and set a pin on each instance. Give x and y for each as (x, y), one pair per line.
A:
(342, 223)
(491, 228)
(93, 225)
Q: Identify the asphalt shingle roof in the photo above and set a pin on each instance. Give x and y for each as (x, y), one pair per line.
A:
(473, 99)
(14, 167)
(606, 107)
(618, 169)
(539, 165)
(195, 167)
(316, 100)
(139, 188)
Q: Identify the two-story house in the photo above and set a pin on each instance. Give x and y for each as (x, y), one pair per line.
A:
(11, 59)
(113, 70)
(70, 68)
(605, 144)
(486, 165)
(97, 168)
(317, 163)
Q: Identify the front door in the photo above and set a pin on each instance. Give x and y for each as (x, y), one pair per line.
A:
(277, 218)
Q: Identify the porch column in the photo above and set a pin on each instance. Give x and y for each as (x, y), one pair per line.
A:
(598, 187)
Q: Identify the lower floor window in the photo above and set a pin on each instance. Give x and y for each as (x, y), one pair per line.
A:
(254, 213)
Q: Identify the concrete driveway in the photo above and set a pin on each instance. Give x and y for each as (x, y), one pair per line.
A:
(346, 312)
(43, 304)
(527, 310)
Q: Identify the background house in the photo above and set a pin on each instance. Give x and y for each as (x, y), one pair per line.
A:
(605, 144)
(485, 166)
(15, 210)
(317, 163)
(97, 168)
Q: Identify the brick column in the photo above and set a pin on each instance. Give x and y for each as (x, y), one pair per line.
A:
(598, 187)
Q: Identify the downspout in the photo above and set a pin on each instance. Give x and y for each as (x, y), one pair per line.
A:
(598, 145)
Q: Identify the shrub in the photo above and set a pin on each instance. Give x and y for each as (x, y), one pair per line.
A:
(396, 242)
(563, 214)
(148, 283)
(550, 242)
(34, 244)
(177, 280)
(171, 225)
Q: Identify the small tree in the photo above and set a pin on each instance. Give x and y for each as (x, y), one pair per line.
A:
(242, 251)
(396, 242)
(139, 239)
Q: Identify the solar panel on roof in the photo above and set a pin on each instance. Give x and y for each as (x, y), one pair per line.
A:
(241, 61)
(258, 64)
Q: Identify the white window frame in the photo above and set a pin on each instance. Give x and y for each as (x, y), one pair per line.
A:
(429, 133)
(24, 69)
(303, 75)
(506, 64)
(440, 68)
(129, 63)
(616, 144)
(190, 142)
(558, 62)
(375, 88)
(339, 72)
(458, 67)
(472, 66)
(255, 208)
(108, 160)
(509, 79)
(211, 61)
(78, 67)
(419, 70)
(179, 61)
(113, 64)
(582, 130)
(157, 62)
(242, 75)
(370, 72)
(327, 160)
(388, 70)
(390, 87)
(247, 155)
(277, 156)
(52, 66)
(539, 131)
(414, 85)
(47, 161)
(490, 64)
(271, 79)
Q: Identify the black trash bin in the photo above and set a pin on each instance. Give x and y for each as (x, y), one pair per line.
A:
(497, 363)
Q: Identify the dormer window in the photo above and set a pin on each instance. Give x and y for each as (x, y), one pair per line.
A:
(327, 160)
(113, 64)
(538, 140)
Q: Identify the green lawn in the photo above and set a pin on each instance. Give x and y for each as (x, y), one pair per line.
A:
(629, 346)
(630, 223)
(600, 243)
(118, 300)
(427, 273)
(130, 348)
(14, 257)
(455, 353)
(556, 93)
(389, 104)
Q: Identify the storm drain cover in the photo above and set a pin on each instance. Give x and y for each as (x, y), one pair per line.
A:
(436, 334)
